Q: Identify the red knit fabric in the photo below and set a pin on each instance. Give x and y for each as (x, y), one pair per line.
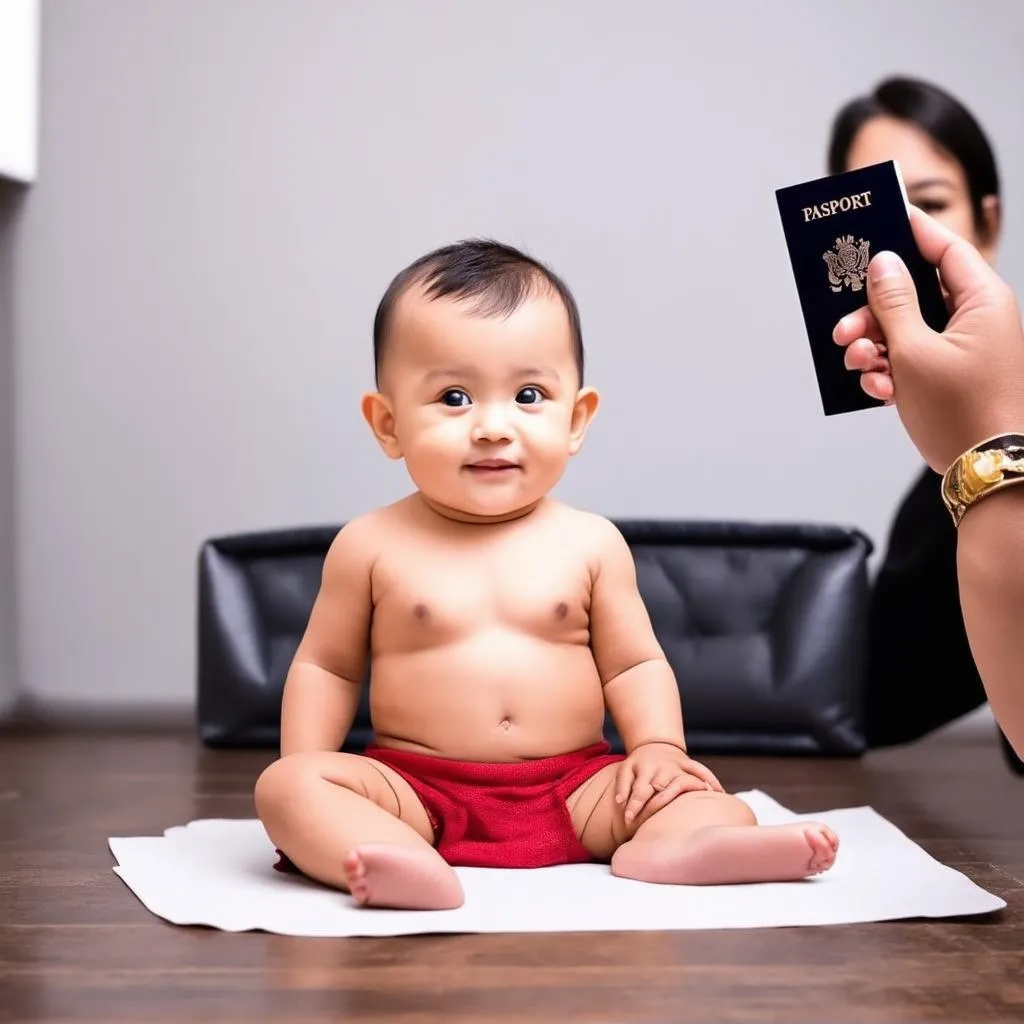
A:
(497, 815)
(500, 815)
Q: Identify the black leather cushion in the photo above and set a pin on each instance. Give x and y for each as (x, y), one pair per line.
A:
(764, 626)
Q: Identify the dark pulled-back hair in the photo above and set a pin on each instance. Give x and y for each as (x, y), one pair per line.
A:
(935, 111)
(498, 277)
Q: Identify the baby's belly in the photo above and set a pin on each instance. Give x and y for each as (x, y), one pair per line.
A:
(498, 697)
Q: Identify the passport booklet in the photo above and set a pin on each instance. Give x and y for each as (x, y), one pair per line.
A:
(833, 227)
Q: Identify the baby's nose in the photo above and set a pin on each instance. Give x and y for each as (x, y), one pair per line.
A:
(491, 425)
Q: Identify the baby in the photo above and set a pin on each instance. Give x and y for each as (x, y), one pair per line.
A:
(500, 624)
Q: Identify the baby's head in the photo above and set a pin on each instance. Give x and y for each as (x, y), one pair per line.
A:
(479, 369)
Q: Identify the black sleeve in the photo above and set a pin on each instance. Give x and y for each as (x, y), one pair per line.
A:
(921, 674)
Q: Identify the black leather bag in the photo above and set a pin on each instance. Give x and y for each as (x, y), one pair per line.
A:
(764, 625)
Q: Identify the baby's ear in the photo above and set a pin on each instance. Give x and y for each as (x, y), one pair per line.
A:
(377, 412)
(583, 412)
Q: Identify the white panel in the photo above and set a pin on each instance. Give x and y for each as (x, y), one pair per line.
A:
(19, 89)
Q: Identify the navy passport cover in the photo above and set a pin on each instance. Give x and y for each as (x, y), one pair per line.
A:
(833, 227)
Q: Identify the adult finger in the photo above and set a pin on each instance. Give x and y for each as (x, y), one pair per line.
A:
(865, 355)
(962, 269)
(861, 323)
(892, 296)
(879, 386)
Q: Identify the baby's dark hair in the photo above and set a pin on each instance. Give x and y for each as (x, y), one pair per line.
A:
(499, 277)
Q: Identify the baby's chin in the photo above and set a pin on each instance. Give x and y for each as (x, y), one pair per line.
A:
(478, 511)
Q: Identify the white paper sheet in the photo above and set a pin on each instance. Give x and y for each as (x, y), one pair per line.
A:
(220, 873)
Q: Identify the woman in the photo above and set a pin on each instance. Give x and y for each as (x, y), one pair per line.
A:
(960, 397)
(921, 671)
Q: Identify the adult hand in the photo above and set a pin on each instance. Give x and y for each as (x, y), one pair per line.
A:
(951, 390)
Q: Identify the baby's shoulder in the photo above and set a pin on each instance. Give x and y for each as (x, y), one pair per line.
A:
(596, 535)
(362, 538)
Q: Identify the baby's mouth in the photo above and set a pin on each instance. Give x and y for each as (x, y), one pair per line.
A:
(492, 466)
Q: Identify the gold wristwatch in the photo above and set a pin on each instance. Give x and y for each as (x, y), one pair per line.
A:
(982, 470)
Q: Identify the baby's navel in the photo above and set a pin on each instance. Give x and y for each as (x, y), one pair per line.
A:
(506, 724)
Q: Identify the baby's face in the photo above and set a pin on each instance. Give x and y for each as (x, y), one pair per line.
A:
(485, 411)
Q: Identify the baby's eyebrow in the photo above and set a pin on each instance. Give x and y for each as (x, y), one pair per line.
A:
(454, 371)
(537, 372)
(534, 372)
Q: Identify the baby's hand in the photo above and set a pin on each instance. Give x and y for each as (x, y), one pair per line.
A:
(655, 774)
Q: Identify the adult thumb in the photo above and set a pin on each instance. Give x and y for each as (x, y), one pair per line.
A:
(893, 299)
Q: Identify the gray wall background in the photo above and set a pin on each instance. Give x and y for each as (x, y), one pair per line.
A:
(226, 187)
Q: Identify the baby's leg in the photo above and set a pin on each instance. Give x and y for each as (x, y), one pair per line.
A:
(700, 838)
(357, 825)
(712, 839)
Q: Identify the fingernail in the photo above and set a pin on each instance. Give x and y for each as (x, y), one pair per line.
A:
(845, 326)
(885, 264)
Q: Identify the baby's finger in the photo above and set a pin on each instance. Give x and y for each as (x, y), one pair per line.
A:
(705, 774)
(624, 782)
(677, 787)
(859, 324)
(642, 792)
(879, 385)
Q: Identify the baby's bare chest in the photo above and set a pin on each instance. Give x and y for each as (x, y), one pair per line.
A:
(445, 593)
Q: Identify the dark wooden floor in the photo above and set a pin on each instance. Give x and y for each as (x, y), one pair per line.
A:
(75, 945)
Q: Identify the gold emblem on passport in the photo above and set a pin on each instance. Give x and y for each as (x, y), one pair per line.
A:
(847, 263)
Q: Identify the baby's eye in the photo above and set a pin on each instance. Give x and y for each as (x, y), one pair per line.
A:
(455, 397)
(530, 396)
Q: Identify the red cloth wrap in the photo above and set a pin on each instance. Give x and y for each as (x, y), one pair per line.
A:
(506, 815)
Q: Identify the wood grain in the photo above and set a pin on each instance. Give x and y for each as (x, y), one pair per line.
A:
(76, 946)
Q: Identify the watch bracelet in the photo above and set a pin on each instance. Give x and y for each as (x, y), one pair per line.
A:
(985, 468)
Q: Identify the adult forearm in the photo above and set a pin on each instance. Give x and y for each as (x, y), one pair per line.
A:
(990, 562)
(645, 706)
(317, 710)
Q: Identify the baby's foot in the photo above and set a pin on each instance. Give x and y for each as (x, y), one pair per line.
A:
(731, 854)
(402, 878)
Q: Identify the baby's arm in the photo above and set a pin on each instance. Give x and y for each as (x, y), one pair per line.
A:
(639, 685)
(321, 692)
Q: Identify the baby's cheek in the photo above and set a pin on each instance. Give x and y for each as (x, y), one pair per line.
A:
(438, 437)
(551, 432)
